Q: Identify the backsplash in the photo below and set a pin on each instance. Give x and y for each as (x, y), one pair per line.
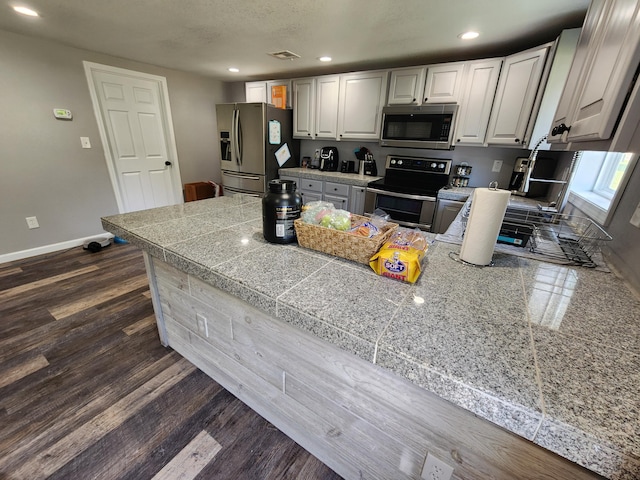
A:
(480, 158)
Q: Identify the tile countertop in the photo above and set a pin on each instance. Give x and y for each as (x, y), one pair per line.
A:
(337, 177)
(549, 352)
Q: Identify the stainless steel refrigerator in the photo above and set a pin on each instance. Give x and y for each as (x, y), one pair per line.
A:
(255, 140)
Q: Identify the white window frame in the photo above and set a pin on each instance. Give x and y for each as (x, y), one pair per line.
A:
(607, 172)
(595, 198)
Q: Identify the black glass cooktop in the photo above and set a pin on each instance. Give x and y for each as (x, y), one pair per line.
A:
(412, 184)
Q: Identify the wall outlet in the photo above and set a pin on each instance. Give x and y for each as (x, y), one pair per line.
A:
(635, 218)
(436, 469)
(32, 222)
(84, 141)
(497, 166)
(203, 327)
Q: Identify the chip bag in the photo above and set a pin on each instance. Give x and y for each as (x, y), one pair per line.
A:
(401, 256)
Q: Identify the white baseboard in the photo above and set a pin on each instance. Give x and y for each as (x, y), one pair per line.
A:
(54, 247)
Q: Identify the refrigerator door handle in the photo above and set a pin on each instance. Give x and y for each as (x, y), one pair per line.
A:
(242, 175)
(234, 130)
(239, 130)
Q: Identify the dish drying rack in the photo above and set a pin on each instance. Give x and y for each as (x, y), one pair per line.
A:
(568, 239)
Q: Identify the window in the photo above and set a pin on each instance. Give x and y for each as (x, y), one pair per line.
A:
(598, 182)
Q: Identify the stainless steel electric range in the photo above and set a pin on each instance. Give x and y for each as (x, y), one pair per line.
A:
(409, 190)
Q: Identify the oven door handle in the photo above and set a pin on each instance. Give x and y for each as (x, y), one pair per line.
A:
(423, 198)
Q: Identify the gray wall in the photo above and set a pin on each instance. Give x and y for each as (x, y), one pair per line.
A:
(44, 171)
(624, 250)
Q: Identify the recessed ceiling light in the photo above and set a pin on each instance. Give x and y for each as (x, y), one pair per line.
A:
(324, 59)
(468, 35)
(26, 11)
(233, 69)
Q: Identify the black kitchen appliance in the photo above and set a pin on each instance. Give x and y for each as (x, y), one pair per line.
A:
(424, 126)
(329, 159)
(409, 190)
(370, 167)
(531, 177)
(348, 166)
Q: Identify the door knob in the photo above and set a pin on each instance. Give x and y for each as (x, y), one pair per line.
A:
(167, 163)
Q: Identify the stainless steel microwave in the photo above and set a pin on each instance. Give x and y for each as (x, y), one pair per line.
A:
(425, 126)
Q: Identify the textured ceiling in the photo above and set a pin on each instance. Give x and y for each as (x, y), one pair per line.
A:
(208, 36)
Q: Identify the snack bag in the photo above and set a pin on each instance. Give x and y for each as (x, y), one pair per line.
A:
(370, 227)
(400, 257)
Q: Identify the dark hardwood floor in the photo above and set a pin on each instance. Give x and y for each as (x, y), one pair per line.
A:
(87, 391)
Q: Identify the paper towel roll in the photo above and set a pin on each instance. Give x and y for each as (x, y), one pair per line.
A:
(488, 207)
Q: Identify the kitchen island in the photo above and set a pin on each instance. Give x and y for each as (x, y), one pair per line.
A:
(514, 371)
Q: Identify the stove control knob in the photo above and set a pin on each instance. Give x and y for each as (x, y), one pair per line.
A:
(434, 165)
(441, 166)
(399, 162)
(393, 161)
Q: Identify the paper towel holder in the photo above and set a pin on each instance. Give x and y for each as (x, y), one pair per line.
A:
(456, 258)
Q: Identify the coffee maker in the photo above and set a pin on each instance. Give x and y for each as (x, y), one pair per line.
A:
(329, 159)
(530, 176)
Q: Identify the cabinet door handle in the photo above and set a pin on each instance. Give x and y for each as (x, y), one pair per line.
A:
(426, 98)
(517, 140)
(560, 129)
(413, 101)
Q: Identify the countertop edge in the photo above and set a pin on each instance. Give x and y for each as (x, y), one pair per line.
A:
(565, 440)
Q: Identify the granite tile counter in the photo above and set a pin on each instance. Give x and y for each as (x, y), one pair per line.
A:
(548, 352)
(336, 177)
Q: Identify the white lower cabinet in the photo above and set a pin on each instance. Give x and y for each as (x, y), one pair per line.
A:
(338, 194)
(342, 195)
(356, 202)
(446, 212)
(311, 190)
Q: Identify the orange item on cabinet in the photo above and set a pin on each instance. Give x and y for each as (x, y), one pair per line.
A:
(279, 96)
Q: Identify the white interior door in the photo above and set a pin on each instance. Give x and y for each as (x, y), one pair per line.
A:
(132, 109)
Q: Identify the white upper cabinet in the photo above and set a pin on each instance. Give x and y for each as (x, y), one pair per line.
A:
(326, 112)
(601, 74)
(304, 93)
(406, 86)
(362, 97)
(255, 92)
(560, 56)
(515, 98)
(261, 91)
(443, 83)
(481, 80)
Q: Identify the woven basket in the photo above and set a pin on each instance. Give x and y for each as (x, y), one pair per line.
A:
(342, 244)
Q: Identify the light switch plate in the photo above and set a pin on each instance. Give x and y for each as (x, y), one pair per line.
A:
(497, 166)
(635, 218)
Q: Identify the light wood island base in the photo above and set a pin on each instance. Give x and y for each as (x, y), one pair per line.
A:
(359, 419)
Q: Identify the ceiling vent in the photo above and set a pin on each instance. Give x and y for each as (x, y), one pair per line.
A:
(285, 55)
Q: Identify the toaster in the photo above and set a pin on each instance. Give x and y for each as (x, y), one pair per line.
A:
(329, 159)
